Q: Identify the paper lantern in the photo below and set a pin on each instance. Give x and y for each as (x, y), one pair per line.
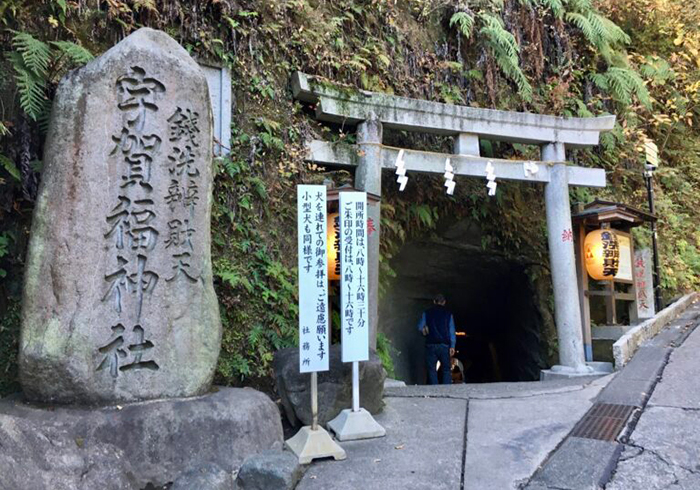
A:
(602, 254)
(333, 244)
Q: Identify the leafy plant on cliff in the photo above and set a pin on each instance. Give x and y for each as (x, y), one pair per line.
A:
(623, 85)
(505, 51)
(37, 65)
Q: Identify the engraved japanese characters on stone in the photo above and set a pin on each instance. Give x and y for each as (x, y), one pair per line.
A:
(183, 191)
(137, 94)
(130, 279)
(122, 354)
(132, 221)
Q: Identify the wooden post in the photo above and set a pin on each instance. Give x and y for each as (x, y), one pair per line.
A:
(584, 301)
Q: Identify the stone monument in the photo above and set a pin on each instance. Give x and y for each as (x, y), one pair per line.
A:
(119, 303)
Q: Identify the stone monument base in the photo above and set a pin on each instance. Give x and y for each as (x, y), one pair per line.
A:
(129, 446)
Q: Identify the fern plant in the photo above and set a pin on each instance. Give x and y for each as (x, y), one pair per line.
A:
(464, 22)
(38, 65)
(657, 70)
(623, 84)
(556, 6)
(502, 46)
(601, 32)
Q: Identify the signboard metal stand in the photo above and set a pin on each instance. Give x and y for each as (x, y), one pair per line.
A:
(356, 423)
(312, 442)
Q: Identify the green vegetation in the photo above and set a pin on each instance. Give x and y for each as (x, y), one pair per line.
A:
(384, 351)
(638, 59)
(37, 66)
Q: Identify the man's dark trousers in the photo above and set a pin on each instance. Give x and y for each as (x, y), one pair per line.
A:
(433, 354)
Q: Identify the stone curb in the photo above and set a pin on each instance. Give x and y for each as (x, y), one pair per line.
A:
(625, 347)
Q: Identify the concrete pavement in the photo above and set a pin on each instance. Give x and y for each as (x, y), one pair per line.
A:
(663, 450)
(510, 428)
(508, 437)
(416, 451)
(541, 435)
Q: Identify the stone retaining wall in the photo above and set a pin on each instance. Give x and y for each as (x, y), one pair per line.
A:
(627, 345)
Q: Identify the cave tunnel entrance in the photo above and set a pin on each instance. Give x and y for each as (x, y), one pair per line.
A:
(499, 325)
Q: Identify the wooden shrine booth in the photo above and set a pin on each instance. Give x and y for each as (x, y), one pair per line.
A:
(617, 304)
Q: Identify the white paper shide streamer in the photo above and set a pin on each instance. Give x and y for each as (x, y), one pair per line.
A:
(401, 171)
(491, 177)
(530, 169)
(449, 177)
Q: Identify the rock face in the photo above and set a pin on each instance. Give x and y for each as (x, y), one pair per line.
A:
(279, 470)
(119, 303)
(334, 386)
(130, 446)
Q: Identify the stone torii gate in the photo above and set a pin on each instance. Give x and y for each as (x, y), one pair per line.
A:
(372, 111)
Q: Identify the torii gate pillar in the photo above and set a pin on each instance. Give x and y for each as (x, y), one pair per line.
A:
(562, 260)
(368, 178)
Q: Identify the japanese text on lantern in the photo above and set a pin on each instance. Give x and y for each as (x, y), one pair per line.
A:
(353, 279)
(611, 253)
(313, 279)
(131, 231)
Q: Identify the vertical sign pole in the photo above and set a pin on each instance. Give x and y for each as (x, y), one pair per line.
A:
(314, 400)
(652, 163)
(658, 301)
(355, 423)
(312, 441)
(355, 386)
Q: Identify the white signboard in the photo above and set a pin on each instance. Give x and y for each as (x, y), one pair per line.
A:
(313, 279)
(219, 81)
(624, 272)
(652, 153)
(353, 276)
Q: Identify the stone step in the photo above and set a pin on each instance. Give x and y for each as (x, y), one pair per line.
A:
(609, 332)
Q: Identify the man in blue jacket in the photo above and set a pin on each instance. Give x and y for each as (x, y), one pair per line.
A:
(438, 327)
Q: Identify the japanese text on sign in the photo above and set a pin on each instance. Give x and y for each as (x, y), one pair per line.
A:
(624, 270)
(353, 277)
(644, 284)
(313, 279)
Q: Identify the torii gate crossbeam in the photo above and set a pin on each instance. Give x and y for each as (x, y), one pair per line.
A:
(371, 111)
